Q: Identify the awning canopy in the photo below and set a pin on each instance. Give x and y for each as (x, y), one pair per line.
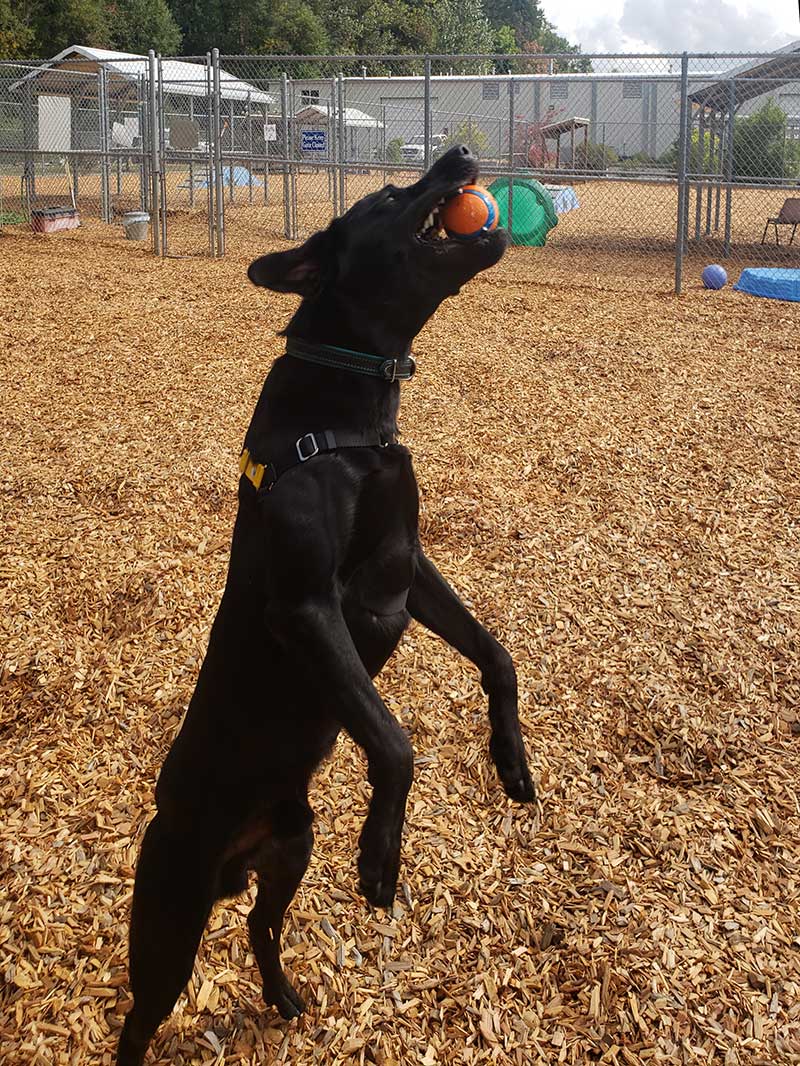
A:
(555, 129)
(751, 80)
(179, 78)
(352, 116)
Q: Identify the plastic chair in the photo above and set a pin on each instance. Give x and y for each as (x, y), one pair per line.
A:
(789, 215)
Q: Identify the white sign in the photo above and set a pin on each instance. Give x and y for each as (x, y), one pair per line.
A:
(270, 131)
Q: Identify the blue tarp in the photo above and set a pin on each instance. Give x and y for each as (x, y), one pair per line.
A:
(777, 283)
(241, 178)
(564, 198)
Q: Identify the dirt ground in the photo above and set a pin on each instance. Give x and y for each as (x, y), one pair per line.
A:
(633, 223)
(609, 477)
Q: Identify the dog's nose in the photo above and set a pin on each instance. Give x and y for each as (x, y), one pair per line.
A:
(463, 149)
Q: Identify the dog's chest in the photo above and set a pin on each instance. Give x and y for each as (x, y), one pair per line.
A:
(379, 568)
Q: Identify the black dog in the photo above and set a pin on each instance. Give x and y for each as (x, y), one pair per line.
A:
(326, 570)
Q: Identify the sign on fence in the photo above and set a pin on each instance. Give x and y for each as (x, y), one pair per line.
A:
(270, 131)
(313, 140)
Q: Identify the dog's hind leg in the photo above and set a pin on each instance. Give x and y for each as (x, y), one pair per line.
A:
(172, 898)
(433, 603)
(280, 867)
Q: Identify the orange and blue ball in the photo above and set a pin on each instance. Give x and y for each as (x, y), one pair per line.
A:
(469, 213)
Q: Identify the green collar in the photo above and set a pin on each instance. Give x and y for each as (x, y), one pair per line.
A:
(374, 366)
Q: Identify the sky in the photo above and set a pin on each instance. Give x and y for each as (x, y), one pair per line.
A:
(675, 25)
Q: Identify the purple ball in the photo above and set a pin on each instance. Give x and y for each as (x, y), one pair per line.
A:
(714, 276)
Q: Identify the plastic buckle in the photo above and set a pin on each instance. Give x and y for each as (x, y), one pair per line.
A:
(299, 447)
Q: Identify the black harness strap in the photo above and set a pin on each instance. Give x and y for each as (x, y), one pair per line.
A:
(264, 475)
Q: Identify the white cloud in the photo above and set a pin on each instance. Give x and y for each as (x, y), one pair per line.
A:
(676, 25)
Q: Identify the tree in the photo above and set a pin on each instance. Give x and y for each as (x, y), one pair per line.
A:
(292, 27)
(59, 23)
(525, 17)
(504, 43)
(200, 22)
(470, 134)
(139, 25)
(761, 150)
(552, 43)
(15, 36)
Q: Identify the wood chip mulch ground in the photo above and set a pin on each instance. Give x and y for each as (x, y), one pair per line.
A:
(610, 477)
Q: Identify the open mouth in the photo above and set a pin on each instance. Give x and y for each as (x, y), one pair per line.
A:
(431, 228)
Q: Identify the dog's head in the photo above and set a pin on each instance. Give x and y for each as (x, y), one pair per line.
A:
(385, 265)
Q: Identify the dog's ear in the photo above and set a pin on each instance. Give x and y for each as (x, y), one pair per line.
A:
(299, 270)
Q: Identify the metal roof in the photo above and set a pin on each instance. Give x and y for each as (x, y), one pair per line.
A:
(751, 79)
(352, 115)
(179, 78)
(555, 129)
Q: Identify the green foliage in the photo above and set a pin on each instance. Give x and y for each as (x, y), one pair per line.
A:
(462, 27)
(200, 23)
(16, 37)
(761, 150)
(469, 133)
(366, 27)
(592, 156)
(393, 153)
(57, 24)
(291, 26)
(142, 24)
(525, 17)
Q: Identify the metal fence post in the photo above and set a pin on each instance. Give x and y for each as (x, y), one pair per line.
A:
(287, 215)
(250, 148)
(155, 155)
(342, 145)
(680, 233)
(729, 165)
(162, 151)
(219, 191)
(511, 159)
(210, 182)
(231, 159)
(427, 114)
(333, 148)
(191, 157)
(102, 114)
(144, 141)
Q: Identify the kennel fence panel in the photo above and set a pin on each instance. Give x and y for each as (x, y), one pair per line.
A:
(250, 149)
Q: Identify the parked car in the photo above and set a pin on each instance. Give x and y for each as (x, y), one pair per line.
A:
(414, 152)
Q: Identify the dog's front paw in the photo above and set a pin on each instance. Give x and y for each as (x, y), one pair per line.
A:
(285, 1000)
(512, 766)
(378, 866)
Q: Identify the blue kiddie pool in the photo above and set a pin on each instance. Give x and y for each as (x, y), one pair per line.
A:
(777, 283)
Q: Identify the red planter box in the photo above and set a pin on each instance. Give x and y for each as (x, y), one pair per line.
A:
(51, 219)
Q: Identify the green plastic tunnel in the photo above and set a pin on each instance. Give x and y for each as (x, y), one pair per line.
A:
(533, 213)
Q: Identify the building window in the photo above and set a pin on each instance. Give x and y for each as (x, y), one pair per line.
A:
(631, 90)
(559, 90)
(491, 90)
(309, 96)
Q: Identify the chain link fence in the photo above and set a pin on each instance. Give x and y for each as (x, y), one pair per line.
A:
(623, 166)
